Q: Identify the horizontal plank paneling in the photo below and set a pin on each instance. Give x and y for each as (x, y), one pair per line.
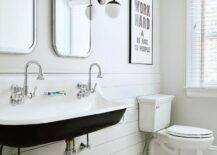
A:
(118, 93)
(136, 149)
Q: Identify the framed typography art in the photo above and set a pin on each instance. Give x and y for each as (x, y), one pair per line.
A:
(141, 32)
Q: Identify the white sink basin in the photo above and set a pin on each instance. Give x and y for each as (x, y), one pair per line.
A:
(48, 119)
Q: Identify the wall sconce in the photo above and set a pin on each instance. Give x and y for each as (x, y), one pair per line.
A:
(112, 8)
(102, 2)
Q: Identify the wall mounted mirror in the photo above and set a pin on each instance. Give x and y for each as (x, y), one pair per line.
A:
(72, 27)
(17, 26)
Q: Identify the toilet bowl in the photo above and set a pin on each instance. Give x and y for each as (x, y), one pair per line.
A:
(186, 138)
(154, 117)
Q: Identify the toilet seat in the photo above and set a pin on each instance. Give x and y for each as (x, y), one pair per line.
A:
(185, 137)
(189, 132)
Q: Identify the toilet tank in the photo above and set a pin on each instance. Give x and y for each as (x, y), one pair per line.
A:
(154, 112)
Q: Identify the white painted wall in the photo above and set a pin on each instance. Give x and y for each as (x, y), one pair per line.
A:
(186, 111)
(125, 81)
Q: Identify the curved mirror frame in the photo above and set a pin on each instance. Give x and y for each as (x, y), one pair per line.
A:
(18, 26)
(72, 28)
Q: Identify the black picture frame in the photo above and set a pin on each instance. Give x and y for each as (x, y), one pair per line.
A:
(131, 13)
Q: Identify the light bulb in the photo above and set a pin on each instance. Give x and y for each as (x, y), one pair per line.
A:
(113, 9)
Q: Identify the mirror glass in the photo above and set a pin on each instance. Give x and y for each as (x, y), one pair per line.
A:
(17, 26)
(72, 28)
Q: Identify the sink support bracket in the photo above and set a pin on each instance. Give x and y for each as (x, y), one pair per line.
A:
(87, 145)
(88, 141)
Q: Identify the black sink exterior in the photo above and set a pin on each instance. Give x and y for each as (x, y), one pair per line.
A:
(32, 135)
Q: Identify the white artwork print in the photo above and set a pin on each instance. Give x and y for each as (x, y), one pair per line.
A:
(141, 38)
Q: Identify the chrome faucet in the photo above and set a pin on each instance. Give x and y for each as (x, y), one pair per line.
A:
(40, 75)
(86, 89)
(19, 94)
(92, 90)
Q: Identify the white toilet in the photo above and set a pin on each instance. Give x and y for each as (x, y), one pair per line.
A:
(154, 116)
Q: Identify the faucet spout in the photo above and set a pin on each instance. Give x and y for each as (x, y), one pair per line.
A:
(40, 75)
(90, 76)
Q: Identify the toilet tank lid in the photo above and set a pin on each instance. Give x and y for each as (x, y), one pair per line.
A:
(154, 98)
